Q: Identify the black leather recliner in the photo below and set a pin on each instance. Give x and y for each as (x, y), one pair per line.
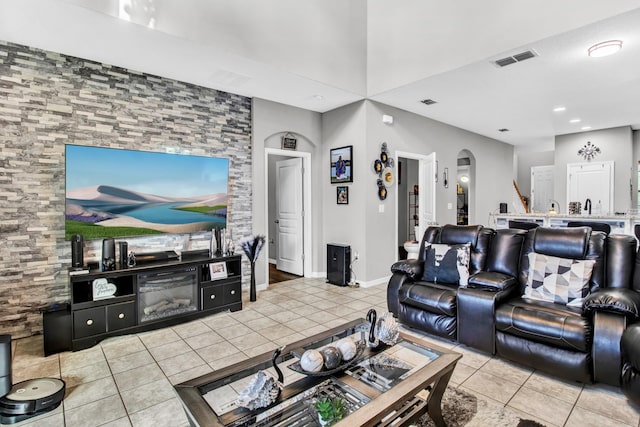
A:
(491, 314)
(428, 306)
(575, 343)
(488, 288)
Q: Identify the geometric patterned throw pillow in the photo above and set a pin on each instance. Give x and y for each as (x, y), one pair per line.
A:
(447, 263)
(559, 280)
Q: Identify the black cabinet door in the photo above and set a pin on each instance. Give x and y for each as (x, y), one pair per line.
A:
(121, 316)
(88, 322)
(212, 297)
(232, 293)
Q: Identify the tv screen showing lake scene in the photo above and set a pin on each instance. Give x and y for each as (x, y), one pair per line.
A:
(117, 193)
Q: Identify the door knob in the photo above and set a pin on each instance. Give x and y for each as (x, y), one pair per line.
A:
(277, 221)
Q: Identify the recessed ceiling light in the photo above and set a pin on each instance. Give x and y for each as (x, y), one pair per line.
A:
(559, 109)
(318, 97)
(575, 121)
(585, 127)
(464, 178)
(607, 48)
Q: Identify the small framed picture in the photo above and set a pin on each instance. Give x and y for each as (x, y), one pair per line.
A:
(218, 270)
(341, 164)
(342, 195)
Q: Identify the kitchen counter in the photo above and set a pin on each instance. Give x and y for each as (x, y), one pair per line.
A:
(620, 224)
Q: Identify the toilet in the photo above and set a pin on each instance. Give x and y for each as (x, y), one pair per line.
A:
(412, 247)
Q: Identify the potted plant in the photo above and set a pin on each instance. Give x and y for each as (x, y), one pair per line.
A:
(330, 410)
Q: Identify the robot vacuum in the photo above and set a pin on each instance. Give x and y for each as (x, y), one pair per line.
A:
(31, 398)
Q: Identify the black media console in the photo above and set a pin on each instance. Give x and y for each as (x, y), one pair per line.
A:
(149, 296)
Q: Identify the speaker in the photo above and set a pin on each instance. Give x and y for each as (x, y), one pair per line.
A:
(5, 364)
(123, 254)
(338, 264)
(108, 255)
(56, 328)
(77, 251)
(503, 208)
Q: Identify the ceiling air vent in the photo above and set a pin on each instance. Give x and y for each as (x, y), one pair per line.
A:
(518, 57)
(505, 61)
(503, 130)
(429, 101)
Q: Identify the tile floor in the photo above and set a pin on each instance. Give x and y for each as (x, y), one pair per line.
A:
(128, 380)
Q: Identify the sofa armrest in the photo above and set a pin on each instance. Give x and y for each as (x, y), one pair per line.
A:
(492, 281)
(476, 315)
(625, 302)
(411, 267)
(393, 291)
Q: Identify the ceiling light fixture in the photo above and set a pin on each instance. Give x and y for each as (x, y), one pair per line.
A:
(464, 178)
(585, 127)
(607, 48)
(559, 109)
(318, 97)
(575, 121)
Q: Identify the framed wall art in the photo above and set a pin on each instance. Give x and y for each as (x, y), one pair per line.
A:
(342, 195)
(341, 164)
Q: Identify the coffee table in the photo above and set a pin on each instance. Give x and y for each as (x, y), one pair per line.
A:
(387, 385)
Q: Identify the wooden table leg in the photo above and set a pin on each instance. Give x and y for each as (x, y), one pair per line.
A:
(434, 402)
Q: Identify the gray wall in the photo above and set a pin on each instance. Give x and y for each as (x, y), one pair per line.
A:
(615, 144)
(271, 121)
(417, 134)
(48, 100)
(361, 224)
(527, 160)
(348, 224)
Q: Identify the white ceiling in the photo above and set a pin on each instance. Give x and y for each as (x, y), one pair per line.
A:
(397, 53)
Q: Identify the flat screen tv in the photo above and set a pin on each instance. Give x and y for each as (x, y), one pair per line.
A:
(118, 193)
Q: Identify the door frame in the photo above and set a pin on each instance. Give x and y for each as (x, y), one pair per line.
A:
(421, 158)
(306, 204)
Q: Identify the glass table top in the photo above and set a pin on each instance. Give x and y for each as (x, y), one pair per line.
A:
(376, 371)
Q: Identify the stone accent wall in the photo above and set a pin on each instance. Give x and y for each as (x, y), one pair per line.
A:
(48, 100)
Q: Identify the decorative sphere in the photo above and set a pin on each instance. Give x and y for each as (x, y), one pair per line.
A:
(332, 357)
(347, 348)
(312, 361)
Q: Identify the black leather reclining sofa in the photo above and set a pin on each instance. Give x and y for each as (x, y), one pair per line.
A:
(490, 312)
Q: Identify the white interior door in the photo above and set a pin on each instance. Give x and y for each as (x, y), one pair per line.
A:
(542, 188)
(290, 216)
(593, 181)
(427, 196)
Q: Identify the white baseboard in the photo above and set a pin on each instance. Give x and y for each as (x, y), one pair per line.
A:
(367, 284)
(272, 261)
(259, 287)
(375, 282)
(317, 275)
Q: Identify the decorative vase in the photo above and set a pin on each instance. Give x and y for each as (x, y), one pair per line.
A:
(252, 248)
(252, 289)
